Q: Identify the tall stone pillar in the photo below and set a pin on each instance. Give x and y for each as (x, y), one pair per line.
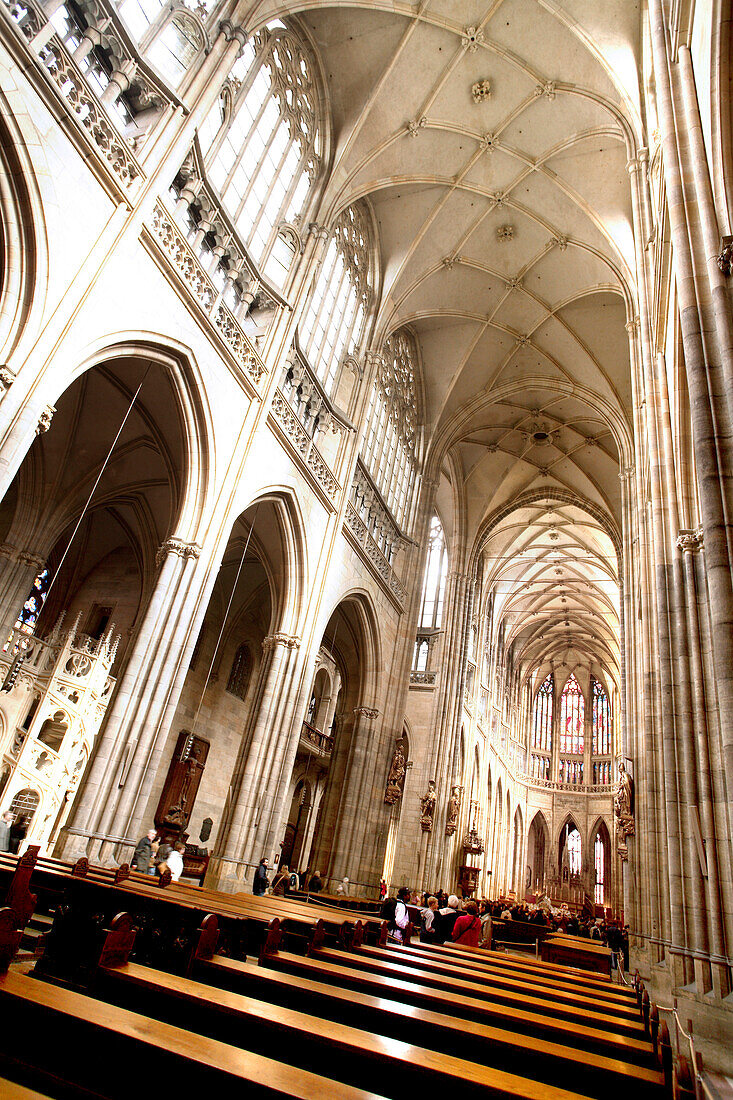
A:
(111, 787)
(253, 789)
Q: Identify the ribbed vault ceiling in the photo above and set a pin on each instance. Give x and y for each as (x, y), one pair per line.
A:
(504, 226)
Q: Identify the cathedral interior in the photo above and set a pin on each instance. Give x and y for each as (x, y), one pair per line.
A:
(366, 471)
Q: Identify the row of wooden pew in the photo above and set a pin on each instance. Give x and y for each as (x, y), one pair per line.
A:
(317, 1010)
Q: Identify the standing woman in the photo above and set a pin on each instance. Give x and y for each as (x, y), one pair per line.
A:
(261, 882)
(467, 929)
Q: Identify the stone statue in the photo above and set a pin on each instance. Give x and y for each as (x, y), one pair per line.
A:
(454, 807)
(427, 808)
(623, 810)
(397, 771)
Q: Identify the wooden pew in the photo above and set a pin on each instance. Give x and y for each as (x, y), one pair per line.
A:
(558, 992)
(525, 965)
(367, 1057)
(577, 951)
(393, 967)
(325, 995)
(57, 1035)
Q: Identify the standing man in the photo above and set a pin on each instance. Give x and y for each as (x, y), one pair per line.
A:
(261, 882)
(143, 853)
(5, 822)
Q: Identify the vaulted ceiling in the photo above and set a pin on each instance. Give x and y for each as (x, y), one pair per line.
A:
(491, 138)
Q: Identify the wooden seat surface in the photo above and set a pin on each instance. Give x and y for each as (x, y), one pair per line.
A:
(330, 996)
(605, 1019)
(352, 1049)
(501, 978)
(36, 1012)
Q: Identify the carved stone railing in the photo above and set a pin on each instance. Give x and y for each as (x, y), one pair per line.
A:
(190, 271)
(320, 741)
(424, 679)
(73, 91)
(577, 788)
(308, 398)
(301, 443)
(355, 526)
(369, 505)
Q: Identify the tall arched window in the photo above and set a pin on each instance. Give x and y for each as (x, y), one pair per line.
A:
(574, 851)
(572, 718)
(599, 858)
(390, 439)
(262, 144)
(601, 721)
(436, 571)
(333, 323)
(542, 725)
(239, 674)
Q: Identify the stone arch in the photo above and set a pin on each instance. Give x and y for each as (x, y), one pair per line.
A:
(517, 849)
(538, 854)
(23, 245)
(600, 831)
(568, 826)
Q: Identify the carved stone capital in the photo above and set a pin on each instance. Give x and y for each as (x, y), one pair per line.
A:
(7, 377)
(44, 420)
(366, 712)
(321, 232)
(178, 546)
(626, 473)
(690, 542)
(31, 559)
(632, 325)
(232, 33)
(280, 638)
(725, 258)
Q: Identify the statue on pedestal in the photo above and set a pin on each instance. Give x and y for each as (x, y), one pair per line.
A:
(454, 808)
(427, 808)
(397, 771)
(623, 810)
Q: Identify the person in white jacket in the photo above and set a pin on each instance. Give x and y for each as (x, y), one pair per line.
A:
(175, 860)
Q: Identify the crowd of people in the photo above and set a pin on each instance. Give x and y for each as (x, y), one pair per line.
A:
(446, 918)
(12, 831)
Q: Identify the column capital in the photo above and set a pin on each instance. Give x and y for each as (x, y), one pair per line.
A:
(320, 232)
(370, 713)
(7, 377)
(690, 542)
(632, 325)
(232, 33)
(183, 549)
(44, 420)
(30, 559)
(280, 638)
(626, 473)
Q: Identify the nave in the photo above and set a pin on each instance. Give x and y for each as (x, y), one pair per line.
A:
(288, 998)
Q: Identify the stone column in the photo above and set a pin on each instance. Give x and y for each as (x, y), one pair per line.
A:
(252, 797)
(112, 783)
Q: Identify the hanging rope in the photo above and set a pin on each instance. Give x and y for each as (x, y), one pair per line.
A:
(224, 620)
(96, 483)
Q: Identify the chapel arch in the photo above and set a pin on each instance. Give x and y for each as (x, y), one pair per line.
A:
(351, 640)
(538, 848)
(225, 690)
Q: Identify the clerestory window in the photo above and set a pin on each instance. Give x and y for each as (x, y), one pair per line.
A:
(390, 440)
(262, 145)
(334, 320)
(542, 725)
(436, 571)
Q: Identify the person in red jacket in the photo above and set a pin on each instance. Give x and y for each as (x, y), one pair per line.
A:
(467, 929)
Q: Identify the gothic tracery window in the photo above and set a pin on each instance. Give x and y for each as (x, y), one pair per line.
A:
(599, 854)
(601, 721)
(572, 718)
(334, 319)
(542, 725)
(390, 439)
(436, 571)
(262, 145)
(574, 851)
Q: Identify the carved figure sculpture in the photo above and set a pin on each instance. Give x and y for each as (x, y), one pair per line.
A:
(397, 771)
(623, 809)
(454, 807)
(427, 808)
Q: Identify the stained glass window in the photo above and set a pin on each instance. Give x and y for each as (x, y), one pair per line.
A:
(572, 718)
(601, 721)
(31, 609)
(602, 772)
(540, 767)
(542, 727)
